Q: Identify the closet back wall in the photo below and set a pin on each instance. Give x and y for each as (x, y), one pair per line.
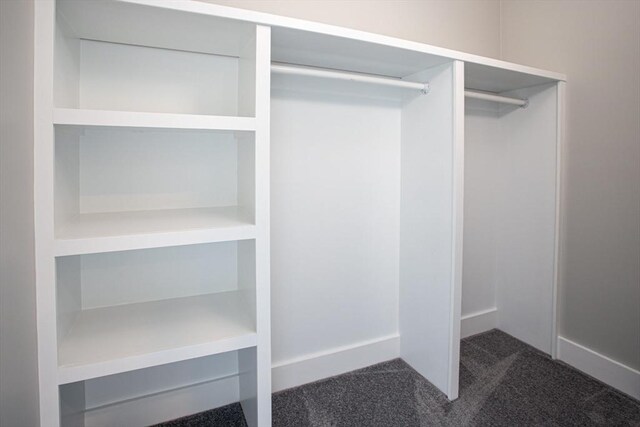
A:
(335, 245)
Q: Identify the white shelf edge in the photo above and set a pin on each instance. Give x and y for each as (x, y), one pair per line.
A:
(71, 374)
(91, 245)
(83, 117)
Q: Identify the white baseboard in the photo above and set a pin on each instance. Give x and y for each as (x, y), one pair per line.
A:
(316, 366)
(478, 322)
(601, 367)
(165, 406)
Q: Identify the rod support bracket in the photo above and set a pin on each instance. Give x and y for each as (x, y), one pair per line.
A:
(526, 103)
(425, 89)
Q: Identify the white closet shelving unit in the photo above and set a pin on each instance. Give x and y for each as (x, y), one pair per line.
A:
(152, 211)
(397, 196)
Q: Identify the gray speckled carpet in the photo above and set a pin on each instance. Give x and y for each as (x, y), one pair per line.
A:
(503, 382)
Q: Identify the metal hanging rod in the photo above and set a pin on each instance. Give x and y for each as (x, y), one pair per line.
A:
(385, 81)
(496, 98)
(343, 75)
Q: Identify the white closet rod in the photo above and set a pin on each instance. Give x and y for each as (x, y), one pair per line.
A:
(385, 81)
(343, 75)
(496, 98)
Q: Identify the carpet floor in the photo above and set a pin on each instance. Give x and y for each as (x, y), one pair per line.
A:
(503, 382)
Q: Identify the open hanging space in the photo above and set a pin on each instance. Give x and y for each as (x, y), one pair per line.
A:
(418, 210)
(362, 190)
(510, 214)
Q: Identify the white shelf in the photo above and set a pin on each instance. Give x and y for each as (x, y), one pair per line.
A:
(120, 231)
(82, 117)
(111, 340)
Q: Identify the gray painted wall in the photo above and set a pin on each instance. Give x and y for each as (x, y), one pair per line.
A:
(467, 25)
(597, 44)
(18, 364)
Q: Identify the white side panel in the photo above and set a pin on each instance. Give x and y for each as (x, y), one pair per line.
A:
(44, 177)
(136, 78)
(262, 363)
(484, 178)
(248, 385)
(154, 274)
(128, 170)
(247, 78)
(527, 240)
(335, 207)
(427, 230)
(72, 405)
(67, 175)
(246, 184)
(66, 66)
(68, 293)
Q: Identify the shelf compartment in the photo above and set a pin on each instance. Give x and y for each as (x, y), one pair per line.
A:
(111, 340)
(119, 231)
(119, 188)
(104, 118)
(122, 311)
(148, 64)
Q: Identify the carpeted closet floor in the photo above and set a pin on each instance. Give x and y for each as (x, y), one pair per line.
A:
(503, 382)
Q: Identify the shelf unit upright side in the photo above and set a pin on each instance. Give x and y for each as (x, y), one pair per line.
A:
(44, 24)
(255, 363)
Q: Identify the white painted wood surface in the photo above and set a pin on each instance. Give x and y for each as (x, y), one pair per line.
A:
(110, 340)
(484, 178)
(526, 253)
(121, 231)
(262, 283)
(510, 215)
(427, 229)
(151, 395)
(335, 208)
(44, 28)
(86, 117)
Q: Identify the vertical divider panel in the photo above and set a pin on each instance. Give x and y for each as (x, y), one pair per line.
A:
(44, 24)
(255, 365)
(560, 132)
(458, 227)
(527, 235)
(429, 229)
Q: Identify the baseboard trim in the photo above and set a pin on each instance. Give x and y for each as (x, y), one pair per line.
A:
(164, 406)
(601, 367)
(478, 322)
(336, 361)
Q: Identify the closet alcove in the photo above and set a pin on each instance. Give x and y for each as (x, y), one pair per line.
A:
(229, 203)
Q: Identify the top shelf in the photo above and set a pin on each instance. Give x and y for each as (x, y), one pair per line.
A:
(102, 118)
(140, 24)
